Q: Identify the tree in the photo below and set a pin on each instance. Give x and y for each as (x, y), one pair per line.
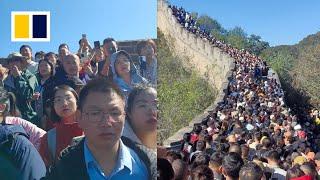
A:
(237, 31)
(207, 23)
(237, 38)
(256, 45)
(194, 15)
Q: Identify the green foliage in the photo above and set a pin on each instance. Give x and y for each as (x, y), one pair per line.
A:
(236, 36)
(182, 93)
(218, 35)
(256, 45)
(209, 24)
(298, 69)
(280, 60)
(194, 15)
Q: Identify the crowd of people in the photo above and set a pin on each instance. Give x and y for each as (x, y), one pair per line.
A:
(85, 115)
(251, 134)
(189, 23)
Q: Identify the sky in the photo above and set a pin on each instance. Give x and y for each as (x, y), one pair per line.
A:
(98, 19)
(279, 22)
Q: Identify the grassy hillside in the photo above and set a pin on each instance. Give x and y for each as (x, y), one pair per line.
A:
(182, 93)
(299, 69)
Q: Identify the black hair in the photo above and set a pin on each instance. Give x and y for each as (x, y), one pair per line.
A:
(63, 44)
(266, 142)
(173, 155)
(137, 90)
(10, 99)
(179, 167)
(200, 159)
(50, 64)
(197, 128)
(258, 135)
(216, 159)
(98, 85)
(250, 171)
(49, 54)
(201, 145)
(54, 116)
(25, 46)
(107, 40)
(232, 164)
(125, 53)
(202, 172)
(164, 169)
(40, 53)
(294, 172)
(309, 168)
(186, 137)
(273, 155)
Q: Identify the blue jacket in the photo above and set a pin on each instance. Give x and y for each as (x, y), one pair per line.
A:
(136, 78)
(19, 158)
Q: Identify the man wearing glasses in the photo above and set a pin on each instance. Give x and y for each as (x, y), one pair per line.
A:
(102, 154)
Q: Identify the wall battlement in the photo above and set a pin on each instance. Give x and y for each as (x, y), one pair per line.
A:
(212, 63)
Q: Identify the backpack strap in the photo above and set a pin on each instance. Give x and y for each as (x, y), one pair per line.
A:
(52, 142)
(9, 132)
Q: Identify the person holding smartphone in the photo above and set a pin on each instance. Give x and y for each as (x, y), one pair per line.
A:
(85, 49)
(3, 74)
(109, 47)
(22, 83)
(91, 68)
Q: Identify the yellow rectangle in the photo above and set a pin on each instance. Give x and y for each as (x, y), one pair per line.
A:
(21, 26)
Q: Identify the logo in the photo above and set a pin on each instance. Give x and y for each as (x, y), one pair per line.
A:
(30, 26)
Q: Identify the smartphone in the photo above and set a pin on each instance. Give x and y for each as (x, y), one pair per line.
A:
(84, 36)
(97, 44)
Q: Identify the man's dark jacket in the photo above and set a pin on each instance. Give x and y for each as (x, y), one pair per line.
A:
(71, 164)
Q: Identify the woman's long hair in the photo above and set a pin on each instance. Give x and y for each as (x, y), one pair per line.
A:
(54, 116)
(10, 100)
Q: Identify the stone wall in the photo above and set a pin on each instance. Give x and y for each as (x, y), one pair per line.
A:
(130, 47)
(203, 56)
(213, 64)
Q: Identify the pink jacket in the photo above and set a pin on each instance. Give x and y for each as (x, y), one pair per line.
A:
(35, 133)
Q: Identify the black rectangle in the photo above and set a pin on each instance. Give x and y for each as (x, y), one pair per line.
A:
(97, 44)
(39, 26)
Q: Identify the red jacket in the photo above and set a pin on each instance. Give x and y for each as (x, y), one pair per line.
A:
(64, 135)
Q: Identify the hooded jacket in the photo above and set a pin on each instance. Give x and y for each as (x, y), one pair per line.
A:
(136, 78)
